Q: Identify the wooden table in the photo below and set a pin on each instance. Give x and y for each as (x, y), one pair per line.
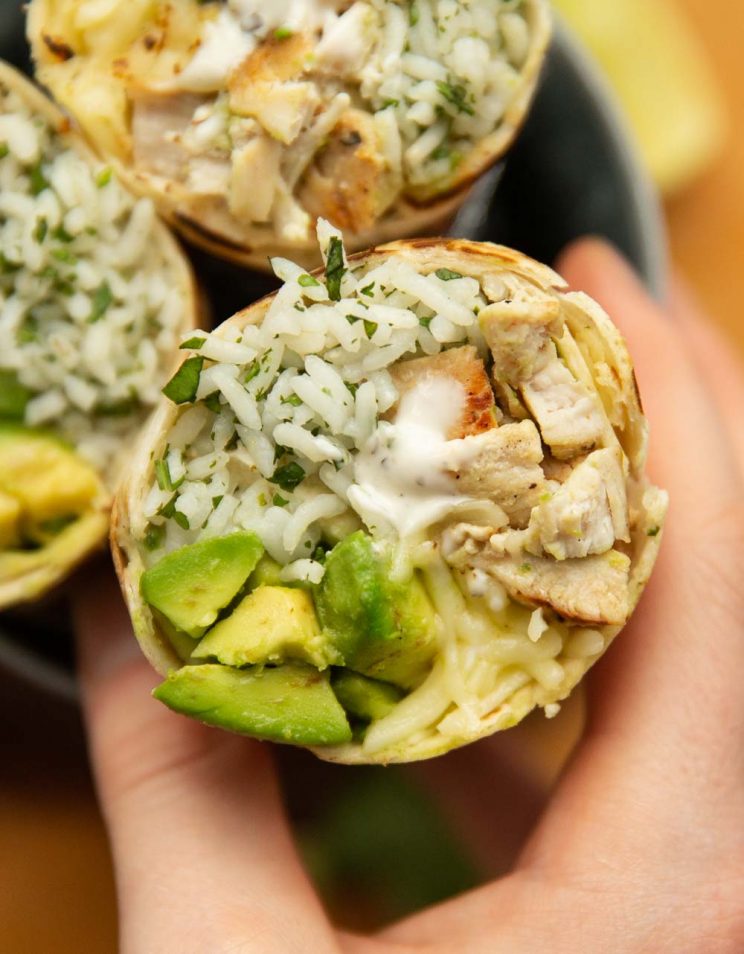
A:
(56, 888)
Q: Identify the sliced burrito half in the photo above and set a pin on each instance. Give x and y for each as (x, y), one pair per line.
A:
(399, 504)
(247, 120)
(94, 297)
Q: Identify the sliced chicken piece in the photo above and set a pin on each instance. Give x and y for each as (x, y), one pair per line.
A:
(503, 465)
(594, 589)
(519, 336)
(587, 514)
(255, 179)
(209, 175)
(462, 365)
(267, 87)
(159, 121)
(570, 417)
(350, 183)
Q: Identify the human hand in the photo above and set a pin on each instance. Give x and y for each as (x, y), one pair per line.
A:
(642, 845)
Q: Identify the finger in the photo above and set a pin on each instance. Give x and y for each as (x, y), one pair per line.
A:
(202, 852)
(666, 709)
(720, 364)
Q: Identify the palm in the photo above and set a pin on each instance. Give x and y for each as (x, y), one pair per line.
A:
(641, 847)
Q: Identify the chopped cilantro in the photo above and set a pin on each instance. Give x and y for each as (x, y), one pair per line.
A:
(40, 230)
(39, 181)
(102, 299)
(288, 476)
(279, 501)
(425, 322)
(283, 33)
(182, 387)
(525, 568)
(4, 150)
(653, 532)
(64, 255)
(455, 94)
(335, 268)
(212, 401)
(368, 290)
(413, 14)
(62, 235)
(104, 177)
(307, 281)
(294, 399)
(370, 327)
(162, 474)
(216, 501)
(351, 387)
(181, 519)
(168, 508)
(388, 103)
(446, 274)
(192, 344)
(261, 500)
(252, 371)
(154, 536)
(28, 330)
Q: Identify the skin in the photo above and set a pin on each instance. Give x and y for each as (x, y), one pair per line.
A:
(641, 845)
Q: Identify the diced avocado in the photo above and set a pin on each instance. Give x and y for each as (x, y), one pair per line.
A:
(271, 624)
(13, 396)
(366, 699)
(266, 573)
(382, 628)
(184, 645)
(191, 585)
(10, 518)
(290, 703)
(47, 478)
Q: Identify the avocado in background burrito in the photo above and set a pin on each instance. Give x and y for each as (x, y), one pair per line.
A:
(247, 120)
(94, 294)
(419, 477)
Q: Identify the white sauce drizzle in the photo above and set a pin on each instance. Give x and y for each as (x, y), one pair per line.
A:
(400, 476)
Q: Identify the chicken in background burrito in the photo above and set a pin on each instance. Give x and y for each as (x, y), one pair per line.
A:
(248, 120)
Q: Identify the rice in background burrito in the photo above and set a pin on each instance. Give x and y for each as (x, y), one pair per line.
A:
(247, 120)
(399, 504)
(94, 295)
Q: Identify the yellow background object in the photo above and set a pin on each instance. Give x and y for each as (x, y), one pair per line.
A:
(662, 76)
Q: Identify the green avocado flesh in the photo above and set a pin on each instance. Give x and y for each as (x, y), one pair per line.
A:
(366, 699)
(290, 703)
(44, 487)
(271, 624)
(383, 632)
(191, 585)
(13, 396)
(382, 628)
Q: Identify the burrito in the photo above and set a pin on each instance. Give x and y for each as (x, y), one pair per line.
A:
(94, 297)
(395, 507)
(247, 120)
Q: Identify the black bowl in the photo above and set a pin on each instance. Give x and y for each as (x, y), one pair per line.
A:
(572, 172)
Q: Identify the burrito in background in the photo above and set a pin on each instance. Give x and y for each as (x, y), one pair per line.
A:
(94, 295)
(393, 507)
(374, 114)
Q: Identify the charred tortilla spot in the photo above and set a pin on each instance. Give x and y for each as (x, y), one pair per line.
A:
(58, 48)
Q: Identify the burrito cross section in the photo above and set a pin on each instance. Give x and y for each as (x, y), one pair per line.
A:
(374, 114)
(94, 295)
(400, 503)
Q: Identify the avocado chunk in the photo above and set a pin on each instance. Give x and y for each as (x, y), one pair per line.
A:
(291, 703)
(366, 699)
(10, 519)
(271, 624)
(382, 628)
(13, 396)
(266, 573)
(51, 484)
(191, 585)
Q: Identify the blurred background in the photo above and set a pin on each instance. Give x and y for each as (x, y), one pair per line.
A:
(677, 69)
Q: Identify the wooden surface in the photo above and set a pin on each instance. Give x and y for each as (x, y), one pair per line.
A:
(56, 888)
